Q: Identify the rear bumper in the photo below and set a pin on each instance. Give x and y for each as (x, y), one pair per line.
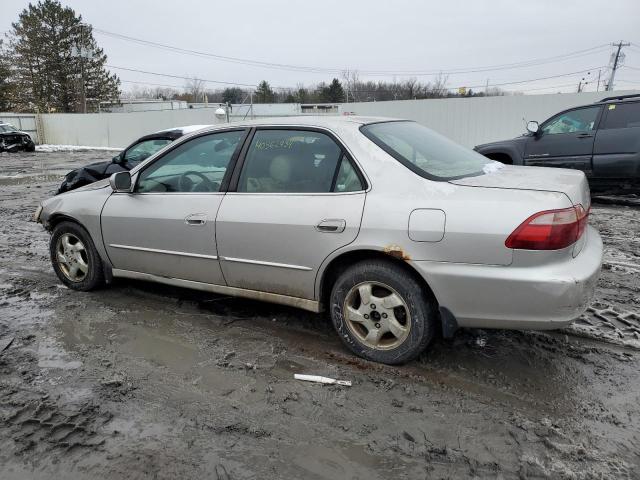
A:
(533, 297)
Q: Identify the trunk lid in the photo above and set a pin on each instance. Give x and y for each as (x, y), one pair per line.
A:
(572, 183)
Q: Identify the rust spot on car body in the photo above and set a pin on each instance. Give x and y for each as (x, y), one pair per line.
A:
(397, 251)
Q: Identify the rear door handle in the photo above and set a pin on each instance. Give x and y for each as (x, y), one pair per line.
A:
(195, 219)
(585, 135)
(331, 226)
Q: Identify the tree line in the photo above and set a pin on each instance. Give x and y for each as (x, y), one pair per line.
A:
(349, 88)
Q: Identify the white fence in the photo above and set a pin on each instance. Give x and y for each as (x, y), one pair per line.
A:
(469, 121)
(475, 120)
(116, 129)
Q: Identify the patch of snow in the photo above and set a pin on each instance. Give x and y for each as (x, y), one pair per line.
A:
(492, 167)
(72, 148)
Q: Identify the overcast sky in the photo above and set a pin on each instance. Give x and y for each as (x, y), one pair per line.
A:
(366, 35)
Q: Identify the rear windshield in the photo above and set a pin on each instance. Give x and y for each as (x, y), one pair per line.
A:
(424, 151)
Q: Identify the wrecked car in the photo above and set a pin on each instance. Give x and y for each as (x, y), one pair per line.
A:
(13, 140)
(602, 140)
(131, 156)
(397, 232)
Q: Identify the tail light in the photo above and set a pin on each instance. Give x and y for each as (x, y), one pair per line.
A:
(550, 230)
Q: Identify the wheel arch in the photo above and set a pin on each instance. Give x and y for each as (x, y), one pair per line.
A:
(343, 260)
(500, 156)
(57, 218)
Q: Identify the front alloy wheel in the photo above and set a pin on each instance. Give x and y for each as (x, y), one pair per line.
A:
(71, 255)
(74, 257)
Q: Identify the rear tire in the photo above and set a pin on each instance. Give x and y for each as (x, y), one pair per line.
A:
(74, 257)
(382, 313)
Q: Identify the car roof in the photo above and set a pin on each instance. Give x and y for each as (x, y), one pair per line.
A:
(620, 98)
(322, 121)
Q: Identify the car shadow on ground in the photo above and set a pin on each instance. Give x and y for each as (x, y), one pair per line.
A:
(518, 366)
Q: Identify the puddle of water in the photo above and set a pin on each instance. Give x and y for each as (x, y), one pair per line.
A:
(50, 355)
(351, 461)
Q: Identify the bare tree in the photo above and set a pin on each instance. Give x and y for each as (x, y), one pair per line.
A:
(438, 88)
(195, 88)
(411, 87)
(351, 80)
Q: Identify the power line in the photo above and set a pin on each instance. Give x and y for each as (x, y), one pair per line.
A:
(623, 80)
(517, 82)
(153, 84)
(167, 75)
(311, 69)
(534, 79)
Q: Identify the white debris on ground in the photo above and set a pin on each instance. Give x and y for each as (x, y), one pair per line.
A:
(492, 167)
(72, 148)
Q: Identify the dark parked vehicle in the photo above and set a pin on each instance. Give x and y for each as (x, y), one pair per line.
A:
(12, 139)
(602, 139)
(131, 156)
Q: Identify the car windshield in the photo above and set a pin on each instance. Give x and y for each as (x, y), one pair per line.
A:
(7, 128)
(424, 151)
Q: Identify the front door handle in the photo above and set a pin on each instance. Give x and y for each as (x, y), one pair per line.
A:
(585, 135)
(195, 219)
(331, 226)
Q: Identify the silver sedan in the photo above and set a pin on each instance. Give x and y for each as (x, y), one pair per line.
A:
(394, 230)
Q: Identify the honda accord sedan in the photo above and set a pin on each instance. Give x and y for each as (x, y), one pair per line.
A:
(396, 231)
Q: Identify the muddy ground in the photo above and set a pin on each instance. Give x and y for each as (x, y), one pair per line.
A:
(145, 381)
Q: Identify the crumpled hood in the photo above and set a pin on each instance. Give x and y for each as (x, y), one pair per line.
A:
(572, 183)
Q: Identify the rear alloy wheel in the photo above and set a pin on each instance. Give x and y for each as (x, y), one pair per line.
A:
(382, 313)
(74, 257)
(377, 315)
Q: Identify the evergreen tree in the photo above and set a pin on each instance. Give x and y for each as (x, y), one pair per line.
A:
(57, 63)
(6, 84)
(233, 95)
(334, 93)
(264, 93)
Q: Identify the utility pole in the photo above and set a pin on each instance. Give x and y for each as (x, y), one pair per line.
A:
(616, 63)
(598, 85)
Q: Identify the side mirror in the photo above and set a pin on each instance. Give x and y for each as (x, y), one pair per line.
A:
(533, 127)
(118, 158)
(120, 182)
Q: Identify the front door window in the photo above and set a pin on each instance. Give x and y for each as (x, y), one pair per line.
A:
(198, 165)
(574, 121)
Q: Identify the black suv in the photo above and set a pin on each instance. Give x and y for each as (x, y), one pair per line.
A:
(602, 139)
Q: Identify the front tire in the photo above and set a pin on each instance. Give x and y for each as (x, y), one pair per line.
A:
(74, 257)
(30, 147)
(382, 313)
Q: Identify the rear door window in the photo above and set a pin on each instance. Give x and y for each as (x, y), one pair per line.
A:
(622, 115)
(295, 161)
